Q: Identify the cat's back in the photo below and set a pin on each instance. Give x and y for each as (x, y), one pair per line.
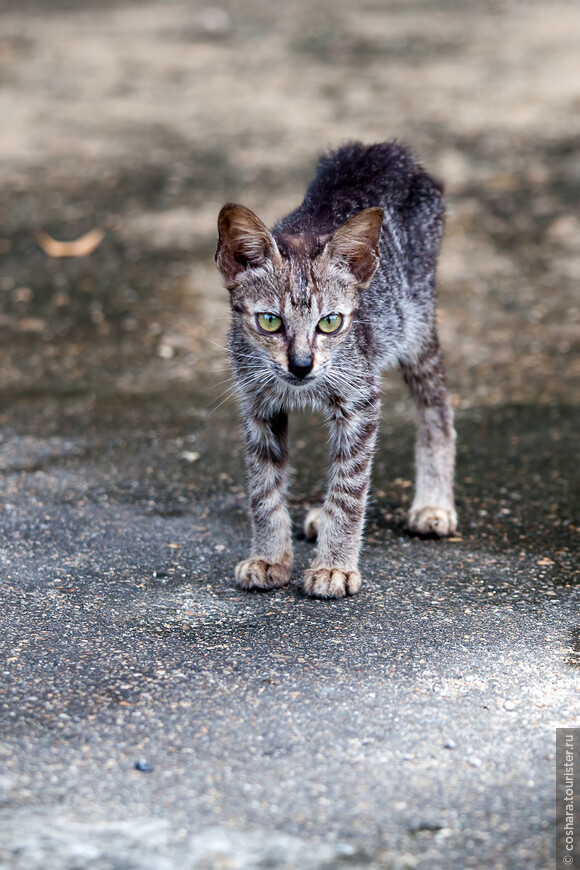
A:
(355, 177)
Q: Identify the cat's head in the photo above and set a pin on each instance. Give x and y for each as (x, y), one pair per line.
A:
(295, 298)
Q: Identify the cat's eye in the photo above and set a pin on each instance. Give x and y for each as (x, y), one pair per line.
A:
(330, 323)
(269, 322)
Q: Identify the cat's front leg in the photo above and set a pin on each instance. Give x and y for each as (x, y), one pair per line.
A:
(266, 443)
(339, 524)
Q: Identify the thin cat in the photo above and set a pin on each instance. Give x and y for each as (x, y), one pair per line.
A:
(339, 289)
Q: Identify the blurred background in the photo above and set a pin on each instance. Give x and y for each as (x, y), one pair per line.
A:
(123, 506)
(141, 118)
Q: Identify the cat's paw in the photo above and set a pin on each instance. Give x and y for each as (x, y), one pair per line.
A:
(331, 582)
(259, 574)
(433, 521)
(312, 523)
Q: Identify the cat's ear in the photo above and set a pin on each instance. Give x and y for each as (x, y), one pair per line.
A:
(244, 242)
(357, 243)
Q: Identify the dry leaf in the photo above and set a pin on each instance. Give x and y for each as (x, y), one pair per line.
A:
(80, 247)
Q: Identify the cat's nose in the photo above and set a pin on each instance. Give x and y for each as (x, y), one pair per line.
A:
(300, 367)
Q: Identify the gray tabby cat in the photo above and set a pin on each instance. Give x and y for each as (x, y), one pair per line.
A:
(337, 290)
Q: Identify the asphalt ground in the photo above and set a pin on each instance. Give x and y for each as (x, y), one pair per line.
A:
(413, 725)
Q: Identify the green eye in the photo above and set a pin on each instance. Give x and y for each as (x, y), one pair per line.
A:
(269, 322)
(330, 323)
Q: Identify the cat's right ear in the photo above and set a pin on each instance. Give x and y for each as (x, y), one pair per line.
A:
(244, 242)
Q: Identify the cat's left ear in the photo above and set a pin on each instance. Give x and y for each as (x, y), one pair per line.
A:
(357, 243)
(244, 242)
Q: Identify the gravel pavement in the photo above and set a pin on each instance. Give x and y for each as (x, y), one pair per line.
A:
(152, 716)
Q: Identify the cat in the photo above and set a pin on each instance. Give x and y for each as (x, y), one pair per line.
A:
(337, 290)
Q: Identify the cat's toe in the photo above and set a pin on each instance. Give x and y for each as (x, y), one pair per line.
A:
(433, 521)
(312, 523)
(259, 574)
(331, 582)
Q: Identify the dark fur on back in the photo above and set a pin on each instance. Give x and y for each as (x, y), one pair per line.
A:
(356, 177)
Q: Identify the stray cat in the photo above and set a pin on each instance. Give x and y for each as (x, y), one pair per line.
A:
(337, 290)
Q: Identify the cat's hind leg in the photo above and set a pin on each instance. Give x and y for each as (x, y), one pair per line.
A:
(312, 523)
(433, 508)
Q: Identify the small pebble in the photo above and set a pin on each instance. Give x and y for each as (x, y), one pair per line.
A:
(451, 744)
(509, 705)
(345, 849)
(144, 766)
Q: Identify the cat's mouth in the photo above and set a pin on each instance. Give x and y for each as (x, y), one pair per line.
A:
(289, 378)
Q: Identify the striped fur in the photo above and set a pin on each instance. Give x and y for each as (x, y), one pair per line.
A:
(363, 245)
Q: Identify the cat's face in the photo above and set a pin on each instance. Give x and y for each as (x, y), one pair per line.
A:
(294, 300)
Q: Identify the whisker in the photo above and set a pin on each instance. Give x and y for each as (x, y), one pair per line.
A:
(269, 378)
(221, 347)
(229, 396)
(226, 381)
(235, 383)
